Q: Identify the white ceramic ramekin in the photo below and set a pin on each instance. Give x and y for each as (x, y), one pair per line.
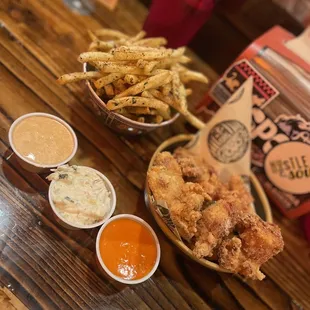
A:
(104, 267)
(30, 165)
(69, 225)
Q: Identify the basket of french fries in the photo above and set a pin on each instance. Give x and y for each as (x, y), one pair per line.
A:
(219, 230)
(136, 84)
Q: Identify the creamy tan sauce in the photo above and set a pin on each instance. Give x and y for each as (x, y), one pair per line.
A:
(43, 140)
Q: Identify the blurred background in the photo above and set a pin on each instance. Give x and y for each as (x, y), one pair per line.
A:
(234, 24)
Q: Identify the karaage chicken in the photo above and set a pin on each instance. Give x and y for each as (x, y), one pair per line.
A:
(256, 243)
(184, 200)
(216, 218)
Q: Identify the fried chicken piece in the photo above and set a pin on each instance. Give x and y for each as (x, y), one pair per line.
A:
(191, 166)
(241, 202)
(212, 185)
(217, 222)
(258, 241)
(184, 200)
(165, 178)
(236, 184)
(167, 161)
(195, 169)
(185, 211)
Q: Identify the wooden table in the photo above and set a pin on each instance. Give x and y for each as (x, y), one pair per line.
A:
(43, 265)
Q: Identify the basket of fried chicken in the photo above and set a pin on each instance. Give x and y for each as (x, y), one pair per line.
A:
(218, 224)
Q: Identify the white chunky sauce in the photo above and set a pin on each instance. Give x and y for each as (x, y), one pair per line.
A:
(79, 194)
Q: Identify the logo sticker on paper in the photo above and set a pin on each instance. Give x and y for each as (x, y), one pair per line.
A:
(235, 76)
(287, 166)
(228, 141)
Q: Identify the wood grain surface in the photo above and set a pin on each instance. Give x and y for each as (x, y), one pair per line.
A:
(43, 265)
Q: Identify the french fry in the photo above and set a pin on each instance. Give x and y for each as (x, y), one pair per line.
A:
(171, 61)
(159, 95)
(196, 122)
(152, 42)
(137, 37)
(180, 104)
(178, 93)
(97, 65)
(141, 110)
(138, 48)
(143, 77)
(160, 106)
(123, 67)
(101, 45)
(122, 111)
(119, 85)
(141, 63)
(132, 53)
(183, 59)
(132, 113)
(151, 82)
(109, 90)
(178, 52)
(114, 67)
(108, 79)
(147, 94)
(148, 68)
(166, 89)
(178, 68)
(189, 75)
(157, 119)
(131, 79)
(110, 33)
(94, 56)
(78, 76)
(125, 113)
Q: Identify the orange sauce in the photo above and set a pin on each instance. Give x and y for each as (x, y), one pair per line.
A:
(128, 249)
(43, 140)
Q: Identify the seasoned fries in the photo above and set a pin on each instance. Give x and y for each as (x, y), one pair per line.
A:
(152, 42)
(108, 79)
(138, 77)
(123, 102)
(95, 56)
(131, 79)
(78, 76)
(111, 33)
(101, 45)
(151, 82)
(109, 90)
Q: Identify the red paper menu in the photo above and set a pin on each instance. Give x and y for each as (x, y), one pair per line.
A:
(280, 67)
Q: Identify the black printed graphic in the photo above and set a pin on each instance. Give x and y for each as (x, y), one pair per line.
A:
(228, 141)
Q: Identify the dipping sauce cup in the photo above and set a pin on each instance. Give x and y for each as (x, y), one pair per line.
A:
(127, 249)
(63, 221)
(42, 141)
